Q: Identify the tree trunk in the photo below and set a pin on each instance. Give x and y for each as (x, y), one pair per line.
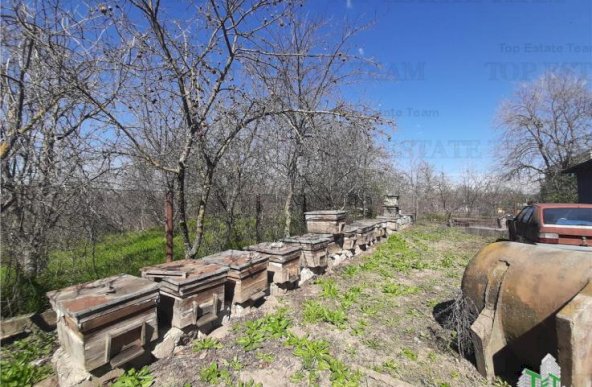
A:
(288, 209)
(201, 214)
(258, 218)
(168, 226)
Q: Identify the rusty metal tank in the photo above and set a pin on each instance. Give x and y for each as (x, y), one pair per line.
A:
(533, 283)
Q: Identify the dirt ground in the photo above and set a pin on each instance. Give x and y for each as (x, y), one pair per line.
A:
(371, 322)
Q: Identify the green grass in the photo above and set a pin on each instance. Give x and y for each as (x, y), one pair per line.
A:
(15, 364)
(124, 252)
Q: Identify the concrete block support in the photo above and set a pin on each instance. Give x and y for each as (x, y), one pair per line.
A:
(574, 339)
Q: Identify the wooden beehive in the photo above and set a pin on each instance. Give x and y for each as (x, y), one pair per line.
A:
(350, 237)
(390, 223)
(325, 222)
(109, 321)
(365, 233)
(192, 291)
(391, 200)
(314, 249)
(247, 275)
(284, 260)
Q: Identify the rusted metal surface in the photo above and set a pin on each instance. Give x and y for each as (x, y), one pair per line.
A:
(538, 282)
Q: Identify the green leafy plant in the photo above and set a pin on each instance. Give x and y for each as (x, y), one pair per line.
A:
(213, 374)
(328, 286)
(133, 378)
(409, 354)
(341, 375)
(351, 270)
(265, 357)
(313, 353)
(206, 344)
(390, 366)
(16, 368)
(350, 297)
(314, 312)
(235, 363)
(297, 377)
(273, 325)
(399, 289)
(249, 383)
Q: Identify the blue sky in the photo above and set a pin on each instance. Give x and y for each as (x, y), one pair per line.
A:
(454, 61)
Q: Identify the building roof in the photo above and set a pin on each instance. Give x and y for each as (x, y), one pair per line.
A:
(583, 166)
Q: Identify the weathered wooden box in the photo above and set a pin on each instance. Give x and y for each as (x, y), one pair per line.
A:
(314, 249)
(247, 277)
(391, 200)
(325, 222)
(109, 321)
(350, 234)
(284, 260)
(365, 233)
(192, 291)
(390, 222)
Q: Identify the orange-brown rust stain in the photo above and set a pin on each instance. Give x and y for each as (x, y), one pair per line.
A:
(82, 303)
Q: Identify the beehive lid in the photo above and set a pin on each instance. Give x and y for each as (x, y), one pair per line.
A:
(278, 251)
(236, 259)
(310, 241)
(185, 270)
(364, 225)
(351, 229)
(275, 248)
(83, 300)
(325, 215)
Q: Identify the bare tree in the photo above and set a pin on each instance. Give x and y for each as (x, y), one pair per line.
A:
(50, 152)
(301, 72)
(546, 124)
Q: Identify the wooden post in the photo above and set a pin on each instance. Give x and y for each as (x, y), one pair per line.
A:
(168, 226)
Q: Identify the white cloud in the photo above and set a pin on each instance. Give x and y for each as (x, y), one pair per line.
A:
(361, 51)
(349, 4)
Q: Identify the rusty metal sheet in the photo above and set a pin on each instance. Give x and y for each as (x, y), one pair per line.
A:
(89, 298)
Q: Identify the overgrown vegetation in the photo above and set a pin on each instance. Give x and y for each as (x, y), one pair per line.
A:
(135, 378)
(114, 254)
(26, 362)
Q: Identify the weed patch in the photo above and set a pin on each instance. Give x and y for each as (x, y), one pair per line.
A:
(16, 368)
(314, 313)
